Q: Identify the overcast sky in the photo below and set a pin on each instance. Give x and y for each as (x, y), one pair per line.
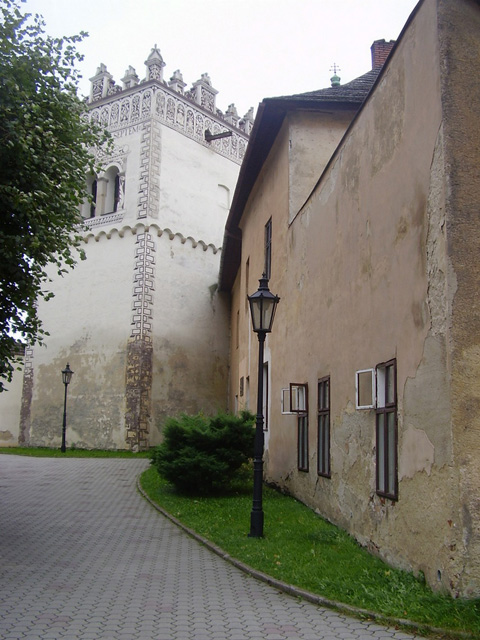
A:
(250, 48)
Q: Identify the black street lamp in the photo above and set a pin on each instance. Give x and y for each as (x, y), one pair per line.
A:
(67, 374)
(263, 304)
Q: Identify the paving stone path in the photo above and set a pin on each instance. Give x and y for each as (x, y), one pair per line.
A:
(84, 557)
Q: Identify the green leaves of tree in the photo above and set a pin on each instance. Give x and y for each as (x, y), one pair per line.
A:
(45, 155)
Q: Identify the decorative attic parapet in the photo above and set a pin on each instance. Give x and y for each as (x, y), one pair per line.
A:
(102, 82)
(246, 123)
(191, 112)
(155, 64)
(130, 79)
(131, 110)
(231, 115)
(176, 82)
(203, 93)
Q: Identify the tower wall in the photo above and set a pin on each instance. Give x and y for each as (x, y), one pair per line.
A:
(140, 321)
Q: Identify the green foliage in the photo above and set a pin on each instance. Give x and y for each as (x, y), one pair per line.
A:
(202, 455)
(45, 143)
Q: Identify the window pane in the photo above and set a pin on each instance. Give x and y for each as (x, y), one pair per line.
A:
(321, 444)
(381, 452)
(302, 443)
(391, 453)
(365, 388)
(298, 397)
(390, 384)
(326, 462)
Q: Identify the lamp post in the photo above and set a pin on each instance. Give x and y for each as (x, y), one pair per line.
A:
(263, 304)
(67, 374)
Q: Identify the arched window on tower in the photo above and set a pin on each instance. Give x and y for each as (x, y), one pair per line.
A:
(114, 190)
(93, 193)
(89, 207)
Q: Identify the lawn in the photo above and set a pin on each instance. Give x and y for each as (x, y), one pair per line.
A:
(300, 548)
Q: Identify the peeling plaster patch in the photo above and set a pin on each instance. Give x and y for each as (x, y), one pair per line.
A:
(430, 411)
(6, 436)
(27, 393)
(138, 393)
(436, 242)
(417, 453)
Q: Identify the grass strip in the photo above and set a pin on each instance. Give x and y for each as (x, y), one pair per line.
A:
(302, 549)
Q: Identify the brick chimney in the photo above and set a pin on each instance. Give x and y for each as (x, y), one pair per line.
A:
(380, 50)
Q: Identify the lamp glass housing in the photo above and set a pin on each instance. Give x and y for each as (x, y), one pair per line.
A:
(263, 304)
(67, 374)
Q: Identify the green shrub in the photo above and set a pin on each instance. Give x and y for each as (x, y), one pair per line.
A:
(201, 454)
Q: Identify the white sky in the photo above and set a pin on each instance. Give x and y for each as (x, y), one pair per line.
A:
(251, 49)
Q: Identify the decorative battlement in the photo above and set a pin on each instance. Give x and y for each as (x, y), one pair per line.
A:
(191, 111)
(130, 110)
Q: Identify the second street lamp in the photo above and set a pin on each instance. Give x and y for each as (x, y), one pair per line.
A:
(67, 374)
(263, 304)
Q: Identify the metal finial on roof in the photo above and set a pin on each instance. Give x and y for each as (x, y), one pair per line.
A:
(335, 80)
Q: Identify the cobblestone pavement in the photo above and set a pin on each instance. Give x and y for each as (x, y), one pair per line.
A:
(84, 557)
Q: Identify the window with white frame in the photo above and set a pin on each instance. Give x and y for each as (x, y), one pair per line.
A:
(323, 445)
(365, 389)
(386, 430)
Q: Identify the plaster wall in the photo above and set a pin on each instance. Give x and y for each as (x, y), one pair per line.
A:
(313, 137)
(364, 273)
(88, 323)
(11, 400)
(139, 321)
(196, 187)
(269, 199)
(190, 320)
(461, 96)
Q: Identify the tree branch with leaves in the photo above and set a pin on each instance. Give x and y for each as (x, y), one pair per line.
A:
(46, 145)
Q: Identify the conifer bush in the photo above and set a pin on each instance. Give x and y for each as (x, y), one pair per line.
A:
(202, 454)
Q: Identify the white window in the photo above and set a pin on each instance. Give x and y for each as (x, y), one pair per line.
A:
(365, 389)
(294, 399)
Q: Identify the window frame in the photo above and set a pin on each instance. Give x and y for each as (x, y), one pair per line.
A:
(373, 402)
(93, 194)
(323, 427)
(386, 430)
(302, 442)
(268, 249)
(266, 396)
(293, 391)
